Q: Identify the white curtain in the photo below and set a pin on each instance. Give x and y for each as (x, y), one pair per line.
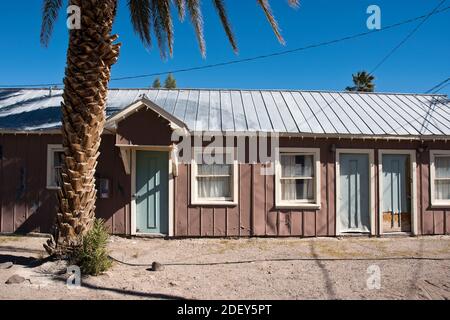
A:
(214, 187)
(297, 189)
(442, 184)
(214, 180)
(297, 166)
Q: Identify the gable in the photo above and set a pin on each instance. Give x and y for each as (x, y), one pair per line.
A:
(144, 126)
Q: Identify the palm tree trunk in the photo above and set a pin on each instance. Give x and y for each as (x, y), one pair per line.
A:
(90, 55)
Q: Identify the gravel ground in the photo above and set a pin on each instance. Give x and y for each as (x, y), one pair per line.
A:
(259, 268)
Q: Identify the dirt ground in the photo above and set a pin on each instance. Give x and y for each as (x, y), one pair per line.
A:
(260, 268)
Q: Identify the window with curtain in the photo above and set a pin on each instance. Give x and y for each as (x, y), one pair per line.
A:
(213, 182)
(297, 177)
(442, 178)
(297, 182)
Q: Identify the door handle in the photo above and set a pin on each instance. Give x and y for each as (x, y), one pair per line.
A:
(135, 196)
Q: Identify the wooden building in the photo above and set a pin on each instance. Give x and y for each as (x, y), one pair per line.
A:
(344, 163)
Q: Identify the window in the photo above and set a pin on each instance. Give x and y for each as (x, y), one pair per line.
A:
(440, 178)
(54, 163)
(214, 183)
(297, 178)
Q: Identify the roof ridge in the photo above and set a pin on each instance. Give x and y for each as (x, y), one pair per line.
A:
(250, 90)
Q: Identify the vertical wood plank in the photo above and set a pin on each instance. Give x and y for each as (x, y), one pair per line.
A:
(272, 213)
(296, 223)
(10, 185)
(107, 164)
(259, 214)
(309, 223)
(439, 219)
(32, 184)
(22, 148)
(245, 191)
(428, 221)
(284, 223)
(233, 221)
(220, 222)
(207, 222)
(122, 212)
(194, 222)
(181, 201)
(447, 222)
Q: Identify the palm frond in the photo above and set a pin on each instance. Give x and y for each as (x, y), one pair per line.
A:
(141, 19)
(222, 12)
(166, 22)
(158, 28)
(181, 8)
(294, 3)
(50, 10)
(269, 15)
(195, 12)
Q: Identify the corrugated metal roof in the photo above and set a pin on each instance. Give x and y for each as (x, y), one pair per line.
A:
(284, 111)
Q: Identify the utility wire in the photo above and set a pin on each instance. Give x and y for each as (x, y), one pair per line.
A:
(441, 85)
(260, 57)
(434, 11)
(441, 88)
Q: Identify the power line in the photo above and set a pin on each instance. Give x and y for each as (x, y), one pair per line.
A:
(406, 38)
(259, 57)
(438, 87)
(441, 88)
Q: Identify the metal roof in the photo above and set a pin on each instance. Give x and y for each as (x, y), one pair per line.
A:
(283, 111)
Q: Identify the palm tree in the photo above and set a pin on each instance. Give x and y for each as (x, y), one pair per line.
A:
(156, 84)
(170, 82)
(363, 82)
(91, 53)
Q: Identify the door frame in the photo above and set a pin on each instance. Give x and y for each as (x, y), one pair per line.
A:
(170, 187)
(413, 175)
(370, 153)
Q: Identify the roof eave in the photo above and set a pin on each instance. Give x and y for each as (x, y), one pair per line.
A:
(115, 119)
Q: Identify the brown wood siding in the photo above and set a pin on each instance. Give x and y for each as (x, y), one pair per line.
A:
(256, 214)
(115, 209)
(25, 203)
(144, 127)
(27, 206)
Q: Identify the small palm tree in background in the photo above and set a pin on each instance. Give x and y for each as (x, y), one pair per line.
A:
(363, 82)
(170, 82)
(91, 53)
(156, 84)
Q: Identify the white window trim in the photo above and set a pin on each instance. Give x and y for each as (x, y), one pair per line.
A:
(435, 203)
(296, 204)
(372, 214)
(51, 149)
(231, 201)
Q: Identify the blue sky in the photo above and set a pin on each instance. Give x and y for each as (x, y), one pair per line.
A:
(418, 65)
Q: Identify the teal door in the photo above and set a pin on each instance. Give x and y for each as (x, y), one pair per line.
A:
(152, 192)
(396, 193)
(354, 205)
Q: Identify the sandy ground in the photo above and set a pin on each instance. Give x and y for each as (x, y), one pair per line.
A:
(288, 268)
